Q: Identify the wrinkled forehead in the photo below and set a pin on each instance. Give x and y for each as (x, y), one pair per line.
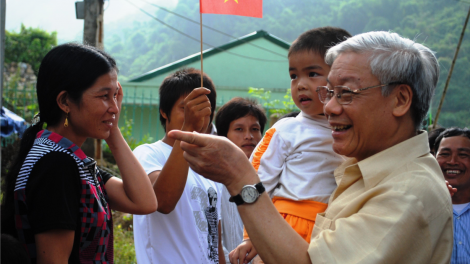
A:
(350, 67)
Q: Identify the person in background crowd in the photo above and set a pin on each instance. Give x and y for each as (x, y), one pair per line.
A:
(391, 204)
(453, 155)
(295, 161)
(58, 203)
(432, 138)
(186, 227)
(242, 121)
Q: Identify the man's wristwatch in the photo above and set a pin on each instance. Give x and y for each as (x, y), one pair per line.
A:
(249, 194)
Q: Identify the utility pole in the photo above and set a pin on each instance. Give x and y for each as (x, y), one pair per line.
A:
(93, 36)
(93, 25)
(2, 52)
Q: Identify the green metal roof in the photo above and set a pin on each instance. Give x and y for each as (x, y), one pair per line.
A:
(210, 52)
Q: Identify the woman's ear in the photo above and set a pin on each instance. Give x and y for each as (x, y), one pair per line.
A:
(63, 102)
(403, 99)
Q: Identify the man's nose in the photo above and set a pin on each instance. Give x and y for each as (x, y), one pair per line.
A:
(454, 159)
(332, 107)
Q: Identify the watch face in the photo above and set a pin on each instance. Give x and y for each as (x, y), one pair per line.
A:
(249, 194)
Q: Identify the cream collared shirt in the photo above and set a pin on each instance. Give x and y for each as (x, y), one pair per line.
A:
(392, 207)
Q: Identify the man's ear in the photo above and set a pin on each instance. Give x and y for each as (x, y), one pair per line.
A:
(402, 101)
(63, 101)
(163, 114)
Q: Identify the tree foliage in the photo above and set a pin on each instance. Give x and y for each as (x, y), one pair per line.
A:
(29, 45)
(143, 46)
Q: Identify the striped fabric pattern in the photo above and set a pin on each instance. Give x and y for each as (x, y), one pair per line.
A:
(461, 250)
(96, 236)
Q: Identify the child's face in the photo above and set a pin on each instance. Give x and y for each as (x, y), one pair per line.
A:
(307, 70)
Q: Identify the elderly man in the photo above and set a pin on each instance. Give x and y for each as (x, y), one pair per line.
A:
(391, 204)
(453, 155)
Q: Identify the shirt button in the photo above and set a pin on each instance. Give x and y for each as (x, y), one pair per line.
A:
(458, 218)
(460, 242)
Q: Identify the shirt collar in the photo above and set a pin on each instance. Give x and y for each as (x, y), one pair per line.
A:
(467, 208)
(317, 119)
(64, 143)
(375, 168)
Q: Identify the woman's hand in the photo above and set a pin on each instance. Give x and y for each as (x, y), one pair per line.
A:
(115, 132)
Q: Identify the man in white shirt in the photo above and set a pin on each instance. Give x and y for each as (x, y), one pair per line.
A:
(186, 227)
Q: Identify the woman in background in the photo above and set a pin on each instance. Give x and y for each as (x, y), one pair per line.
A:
(242, 122)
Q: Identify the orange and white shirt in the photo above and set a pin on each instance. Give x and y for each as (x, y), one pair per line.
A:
(295, 159)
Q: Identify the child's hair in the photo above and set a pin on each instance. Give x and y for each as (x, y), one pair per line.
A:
(318, 40)
(237, 108)
(13, 251)
(181, 83)
(70, 67)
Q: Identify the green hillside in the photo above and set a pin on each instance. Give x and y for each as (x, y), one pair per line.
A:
(143, 46)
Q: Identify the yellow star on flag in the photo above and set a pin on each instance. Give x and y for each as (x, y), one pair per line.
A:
(236, 1)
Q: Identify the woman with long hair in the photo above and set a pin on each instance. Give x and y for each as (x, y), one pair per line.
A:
(58, 202)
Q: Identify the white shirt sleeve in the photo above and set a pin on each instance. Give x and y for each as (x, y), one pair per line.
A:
(150, 158)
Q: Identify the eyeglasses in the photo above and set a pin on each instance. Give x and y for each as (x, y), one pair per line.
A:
(344, 94)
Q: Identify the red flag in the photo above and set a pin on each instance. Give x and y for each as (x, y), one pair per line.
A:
(251, 8)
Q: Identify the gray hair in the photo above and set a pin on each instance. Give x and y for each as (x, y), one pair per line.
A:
(396, 59)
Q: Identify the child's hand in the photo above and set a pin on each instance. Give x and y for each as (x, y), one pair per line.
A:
(197, 110)
(239, 255)
(451, 189)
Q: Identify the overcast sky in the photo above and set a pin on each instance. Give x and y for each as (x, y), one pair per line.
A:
(59, 15)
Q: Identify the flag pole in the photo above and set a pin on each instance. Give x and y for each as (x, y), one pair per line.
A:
(202, 71)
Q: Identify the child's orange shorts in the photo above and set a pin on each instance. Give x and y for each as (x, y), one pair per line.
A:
(300, 215)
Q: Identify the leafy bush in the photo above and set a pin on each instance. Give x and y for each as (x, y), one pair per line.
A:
(276, 106)
(29, 45)
(124, 251)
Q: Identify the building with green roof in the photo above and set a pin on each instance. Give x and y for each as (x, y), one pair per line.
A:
(256, 60)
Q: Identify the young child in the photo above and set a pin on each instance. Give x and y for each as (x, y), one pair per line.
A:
(299, 191)
(186, 227)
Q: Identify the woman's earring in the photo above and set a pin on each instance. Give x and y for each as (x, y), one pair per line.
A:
(66, 123)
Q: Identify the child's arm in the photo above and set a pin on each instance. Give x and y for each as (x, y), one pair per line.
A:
(170, 181)
(239, 254)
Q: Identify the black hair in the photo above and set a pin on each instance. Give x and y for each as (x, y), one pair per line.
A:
(70, 67)
(13, 251)
(318, 40)
(181, 83)
(237, 108)
(451, 132)
(432, 136)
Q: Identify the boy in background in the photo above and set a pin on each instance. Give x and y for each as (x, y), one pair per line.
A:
(295, 159)
(186, 226)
